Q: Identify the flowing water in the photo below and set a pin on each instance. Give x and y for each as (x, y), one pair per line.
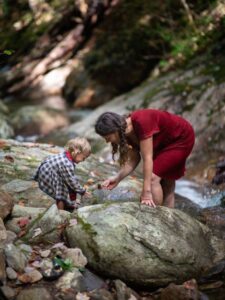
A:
(204, 195)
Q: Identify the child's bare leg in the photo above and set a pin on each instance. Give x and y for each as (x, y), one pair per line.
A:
(157, 192)
(168, 186)
(60, 205)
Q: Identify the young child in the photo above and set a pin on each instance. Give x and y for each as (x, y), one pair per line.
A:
(56, 176)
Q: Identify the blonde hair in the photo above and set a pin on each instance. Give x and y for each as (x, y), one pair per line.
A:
(79, 143)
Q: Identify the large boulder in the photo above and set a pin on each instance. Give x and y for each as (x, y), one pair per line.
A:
(31, 120)
(142, 245)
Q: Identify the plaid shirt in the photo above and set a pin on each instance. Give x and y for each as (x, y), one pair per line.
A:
(56, 177)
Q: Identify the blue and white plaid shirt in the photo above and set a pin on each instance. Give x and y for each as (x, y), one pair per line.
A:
(56, 177)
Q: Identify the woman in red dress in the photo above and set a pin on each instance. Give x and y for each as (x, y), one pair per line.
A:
(163, 140)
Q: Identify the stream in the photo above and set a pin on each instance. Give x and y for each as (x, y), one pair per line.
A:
(203, 195)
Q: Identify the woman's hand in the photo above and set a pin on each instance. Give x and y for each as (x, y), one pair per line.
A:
(110, 183)
(146, 198)
(87, 194)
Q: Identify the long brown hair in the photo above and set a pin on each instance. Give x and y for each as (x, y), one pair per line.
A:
(108, 123)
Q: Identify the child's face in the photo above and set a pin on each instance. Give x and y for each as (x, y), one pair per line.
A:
(80, 156)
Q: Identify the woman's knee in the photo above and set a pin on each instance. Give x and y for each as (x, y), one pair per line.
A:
(155, 180)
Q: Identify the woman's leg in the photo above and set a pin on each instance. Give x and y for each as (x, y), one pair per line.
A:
(168, 187)
(157, 191)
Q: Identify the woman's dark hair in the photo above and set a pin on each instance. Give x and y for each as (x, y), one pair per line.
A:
(108, 123)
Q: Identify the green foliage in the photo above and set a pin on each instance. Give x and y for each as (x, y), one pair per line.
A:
(140, 34)
(8, 52)
(65, 264)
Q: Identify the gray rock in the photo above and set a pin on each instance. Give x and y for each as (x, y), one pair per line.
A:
(46, 226)
(36, 293)
(144, 246)
(8, 292)
(30, 120)
(72, 279)
(15, 257)
(11, 274)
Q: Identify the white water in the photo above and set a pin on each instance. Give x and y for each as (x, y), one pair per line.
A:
(203, 195)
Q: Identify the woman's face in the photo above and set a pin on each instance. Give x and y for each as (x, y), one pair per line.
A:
(112, 138)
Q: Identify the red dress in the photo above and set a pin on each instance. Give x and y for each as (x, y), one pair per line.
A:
(173, 140)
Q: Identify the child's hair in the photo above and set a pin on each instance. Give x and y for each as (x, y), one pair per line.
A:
(79, 143)
(108, 123)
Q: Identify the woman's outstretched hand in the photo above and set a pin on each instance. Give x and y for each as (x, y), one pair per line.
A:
(146, 198)
(110, 183)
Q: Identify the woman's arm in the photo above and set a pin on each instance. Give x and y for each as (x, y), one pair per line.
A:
(130, 165)
(146, 148)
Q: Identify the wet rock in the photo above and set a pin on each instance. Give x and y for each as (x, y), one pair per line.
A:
(36, 293)
(214, 218)
(6, 204)
(187, 206)
(217, 272)
(15, 258)
(145, 240)
(219, 177)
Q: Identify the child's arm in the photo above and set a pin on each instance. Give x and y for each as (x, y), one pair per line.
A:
(67, 173)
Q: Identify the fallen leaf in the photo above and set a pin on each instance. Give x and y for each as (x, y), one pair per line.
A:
(23, 222)
(2, 144)
(90, 181)
(37, 232)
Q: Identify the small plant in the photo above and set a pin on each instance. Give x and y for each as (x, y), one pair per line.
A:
(66, 265)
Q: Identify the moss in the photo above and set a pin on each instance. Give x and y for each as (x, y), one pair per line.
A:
(86, 226)
(180, 87)
(148, 97)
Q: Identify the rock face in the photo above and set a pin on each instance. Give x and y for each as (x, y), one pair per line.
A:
(30, 120)
(149, 247)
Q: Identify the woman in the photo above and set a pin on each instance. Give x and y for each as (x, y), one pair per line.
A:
(163, 140)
